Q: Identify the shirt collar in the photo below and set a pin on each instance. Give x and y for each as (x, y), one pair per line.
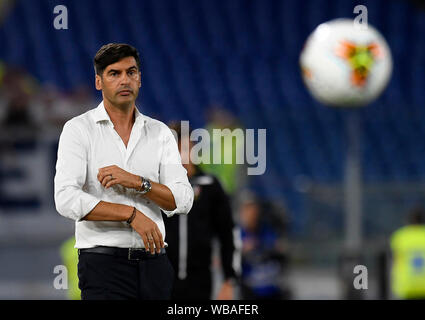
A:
(100, 114)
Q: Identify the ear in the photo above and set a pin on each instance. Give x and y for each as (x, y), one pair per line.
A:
(140, 79)
(98, 82)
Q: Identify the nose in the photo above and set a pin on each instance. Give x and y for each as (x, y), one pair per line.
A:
(124, 79)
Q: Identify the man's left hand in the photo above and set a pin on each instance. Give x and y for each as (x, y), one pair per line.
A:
(112, 175)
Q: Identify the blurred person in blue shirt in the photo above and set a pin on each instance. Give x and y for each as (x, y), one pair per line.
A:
(263, 258)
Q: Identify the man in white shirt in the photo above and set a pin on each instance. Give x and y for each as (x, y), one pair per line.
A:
(116, 170)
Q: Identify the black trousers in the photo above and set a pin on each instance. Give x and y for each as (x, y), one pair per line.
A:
(196, 286)
(107, 277)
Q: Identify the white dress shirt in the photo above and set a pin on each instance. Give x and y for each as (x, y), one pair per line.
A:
(89, 142)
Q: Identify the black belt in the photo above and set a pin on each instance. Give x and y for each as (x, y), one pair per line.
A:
(129, 253)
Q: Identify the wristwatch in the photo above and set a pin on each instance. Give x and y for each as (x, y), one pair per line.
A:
(145, 186)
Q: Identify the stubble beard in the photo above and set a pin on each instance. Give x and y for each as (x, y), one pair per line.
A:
(123, 105)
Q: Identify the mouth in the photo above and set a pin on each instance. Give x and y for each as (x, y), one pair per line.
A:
(125, 92)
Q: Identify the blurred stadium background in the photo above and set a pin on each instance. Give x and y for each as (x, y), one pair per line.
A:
(238, 55)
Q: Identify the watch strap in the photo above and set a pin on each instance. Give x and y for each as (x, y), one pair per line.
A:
(145, 186)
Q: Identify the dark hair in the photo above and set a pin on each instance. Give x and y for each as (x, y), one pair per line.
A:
(113, 52)
(416, 215)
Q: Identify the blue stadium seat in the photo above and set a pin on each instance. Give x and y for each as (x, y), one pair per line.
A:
(243, 55)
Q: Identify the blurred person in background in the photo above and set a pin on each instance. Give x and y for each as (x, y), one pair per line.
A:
(59, 107)
(231, 175)
(69, 255)
(408, 252)
(191, 237)
(20, 118)
(263, 256)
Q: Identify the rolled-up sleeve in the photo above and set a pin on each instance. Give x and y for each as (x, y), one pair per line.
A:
(174, 176)
(71, 170)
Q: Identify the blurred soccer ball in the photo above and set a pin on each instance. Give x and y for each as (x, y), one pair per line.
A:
(345, 65)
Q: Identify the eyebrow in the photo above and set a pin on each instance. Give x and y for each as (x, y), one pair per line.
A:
(128, 69)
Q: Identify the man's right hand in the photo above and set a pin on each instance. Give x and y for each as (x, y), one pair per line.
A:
(149, 231)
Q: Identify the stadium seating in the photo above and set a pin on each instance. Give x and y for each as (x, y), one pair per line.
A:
(242, 54)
